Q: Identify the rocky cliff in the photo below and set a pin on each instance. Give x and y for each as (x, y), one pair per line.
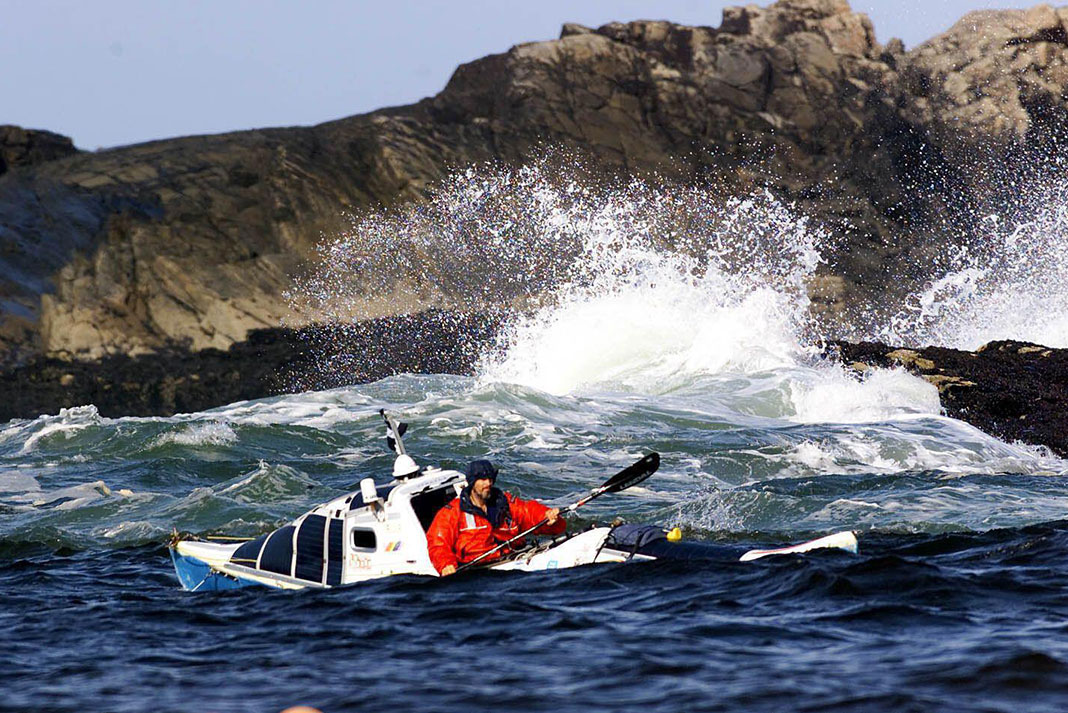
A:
(191, 242)
(993, 86)
(27, 272)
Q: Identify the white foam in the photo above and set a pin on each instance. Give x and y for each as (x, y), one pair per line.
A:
(67, 422)
(266, 483)
(728, 296)
(210, 433)
(26, 495)
(830, 395)
(911, 444)
(646, 337)
(315, 409)
(136, 531)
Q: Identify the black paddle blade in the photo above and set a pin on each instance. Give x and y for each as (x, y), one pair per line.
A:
(632, 475)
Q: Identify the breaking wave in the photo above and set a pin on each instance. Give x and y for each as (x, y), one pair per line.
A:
(212, 433)
(631, 285)
(641, 316)
(643, 285)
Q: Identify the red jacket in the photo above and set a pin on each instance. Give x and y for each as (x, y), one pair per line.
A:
(459, 535)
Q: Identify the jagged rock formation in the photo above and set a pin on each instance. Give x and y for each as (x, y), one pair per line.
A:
(175, 243)
(190, 242)
(990, 92)
(996, 74)
(1014, 390)
(27, 147)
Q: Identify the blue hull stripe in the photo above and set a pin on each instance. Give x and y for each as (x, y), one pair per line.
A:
(196, 576)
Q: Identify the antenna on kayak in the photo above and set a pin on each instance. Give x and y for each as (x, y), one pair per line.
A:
(394, 431)
(404, 466)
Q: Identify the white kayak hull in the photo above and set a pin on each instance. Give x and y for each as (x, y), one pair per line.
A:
(207, 565)
(203, 566)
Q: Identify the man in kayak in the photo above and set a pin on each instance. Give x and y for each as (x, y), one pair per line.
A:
(482, 518)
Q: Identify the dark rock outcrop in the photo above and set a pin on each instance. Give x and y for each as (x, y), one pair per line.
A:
(271, 361)
(28, 147)
(1014, 390)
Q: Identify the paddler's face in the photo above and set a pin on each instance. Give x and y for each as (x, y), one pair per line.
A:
(481, 487)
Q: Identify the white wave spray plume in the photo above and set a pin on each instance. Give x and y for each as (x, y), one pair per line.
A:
(625, 271)
(633, 285)
(1011, 283)
(668, 284)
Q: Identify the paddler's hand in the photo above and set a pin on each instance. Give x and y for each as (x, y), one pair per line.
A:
(448, 569)
(551, 516)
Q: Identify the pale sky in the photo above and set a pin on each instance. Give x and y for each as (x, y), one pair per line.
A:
(113, 72)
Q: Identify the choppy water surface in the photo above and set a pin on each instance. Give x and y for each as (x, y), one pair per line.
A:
(956, 601)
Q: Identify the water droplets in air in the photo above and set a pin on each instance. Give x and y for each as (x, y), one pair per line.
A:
(1010, 281)
(627, 302)
(634, 282)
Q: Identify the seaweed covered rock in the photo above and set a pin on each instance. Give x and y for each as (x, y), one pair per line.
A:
(1016, 391)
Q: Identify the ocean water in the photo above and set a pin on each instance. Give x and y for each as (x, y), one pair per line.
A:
(649, 339)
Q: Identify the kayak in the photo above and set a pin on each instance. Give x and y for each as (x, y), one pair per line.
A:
(368, 534)
(380, 531)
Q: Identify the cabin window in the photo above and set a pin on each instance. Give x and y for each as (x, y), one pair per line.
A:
(426, 505)
(364, 539)
(310, 555)
(335, 557)
(277, 555)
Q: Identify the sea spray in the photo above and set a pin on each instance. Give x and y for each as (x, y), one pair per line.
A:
(627, 284)
(1008, 282)
(641, 283)
(210, 433)
(728, 295)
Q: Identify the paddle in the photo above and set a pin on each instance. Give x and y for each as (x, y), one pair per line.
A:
(631, 475)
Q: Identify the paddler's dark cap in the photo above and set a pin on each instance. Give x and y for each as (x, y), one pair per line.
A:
(480, 469)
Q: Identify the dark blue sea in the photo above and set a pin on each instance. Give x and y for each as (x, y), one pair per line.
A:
(934, 623)
(956, 601)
